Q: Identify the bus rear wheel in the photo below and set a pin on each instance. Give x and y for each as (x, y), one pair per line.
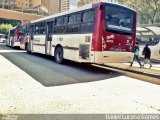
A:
(59, 55)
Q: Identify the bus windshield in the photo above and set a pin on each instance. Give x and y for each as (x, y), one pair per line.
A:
(149, 41)
(119, 19)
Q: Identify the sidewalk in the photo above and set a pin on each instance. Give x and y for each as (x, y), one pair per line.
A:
(155, 66)
(20, 93)
(154, 71)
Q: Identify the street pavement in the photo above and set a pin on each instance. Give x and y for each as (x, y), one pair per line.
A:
(45, 70)
(22, 94)
(155, 67)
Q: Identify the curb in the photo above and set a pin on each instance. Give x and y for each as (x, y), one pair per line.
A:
(134, 71)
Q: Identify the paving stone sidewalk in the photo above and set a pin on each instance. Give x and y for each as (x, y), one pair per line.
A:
(21, 94)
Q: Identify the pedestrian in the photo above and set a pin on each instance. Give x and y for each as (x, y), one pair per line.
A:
(136, 55)
(147, 55)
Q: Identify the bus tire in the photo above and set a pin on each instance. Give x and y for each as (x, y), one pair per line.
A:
(59, 55)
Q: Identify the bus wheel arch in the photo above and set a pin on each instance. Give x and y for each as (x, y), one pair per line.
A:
(58, 54)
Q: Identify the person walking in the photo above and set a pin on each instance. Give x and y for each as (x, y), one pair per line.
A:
(147, 55)
(136, 55)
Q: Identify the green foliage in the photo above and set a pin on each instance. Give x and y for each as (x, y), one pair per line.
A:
(5, 25)
(148, 10)
(4, 28)
(12, 22)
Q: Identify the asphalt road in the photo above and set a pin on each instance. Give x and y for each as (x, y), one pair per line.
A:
(44, 69)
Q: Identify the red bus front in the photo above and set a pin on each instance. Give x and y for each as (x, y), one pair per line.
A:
(114, 34)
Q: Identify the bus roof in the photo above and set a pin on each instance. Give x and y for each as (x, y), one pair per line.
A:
(77, 10)
(121, 6)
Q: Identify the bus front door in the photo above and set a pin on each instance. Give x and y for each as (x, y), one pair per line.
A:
(31, 38)
(49, 38)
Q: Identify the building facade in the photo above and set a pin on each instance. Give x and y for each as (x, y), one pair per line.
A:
(25, 4)
(54, 6)
(85, 2)
(42, 7)
(65, 5)
(16, 4)
(7, 4)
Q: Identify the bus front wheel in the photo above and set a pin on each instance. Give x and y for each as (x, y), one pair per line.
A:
(59, 55)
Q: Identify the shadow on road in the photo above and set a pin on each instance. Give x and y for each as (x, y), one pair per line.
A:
(83, 66)
(71, 72)
(46, 71)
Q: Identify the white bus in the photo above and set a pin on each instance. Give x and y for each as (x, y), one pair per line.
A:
(13, 37)
(98, 33)
(154, 45)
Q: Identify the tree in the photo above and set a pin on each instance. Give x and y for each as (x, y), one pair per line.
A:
(5, 28)
(148, 10)
(12, 22)
(5, 25)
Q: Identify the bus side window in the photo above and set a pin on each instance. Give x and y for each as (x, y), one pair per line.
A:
(27, 31)
(69, 19)
(74, 23)
(79, 18)
(59, 25)
(84, 17)
(36, 29)
(50, 27)
(92, 16)
(88, 18)
(65, 18)
(40, 28)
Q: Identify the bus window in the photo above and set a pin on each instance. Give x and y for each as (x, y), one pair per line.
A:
(119, 19)
(79, 17)
(59, 21)
(74, 23)
(27, 30)
(50, 27)
(88, 18)
(65, 20)
(40, 28)
(61, 25)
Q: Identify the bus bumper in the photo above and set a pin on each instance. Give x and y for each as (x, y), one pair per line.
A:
(113, 57)
(16, 44)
